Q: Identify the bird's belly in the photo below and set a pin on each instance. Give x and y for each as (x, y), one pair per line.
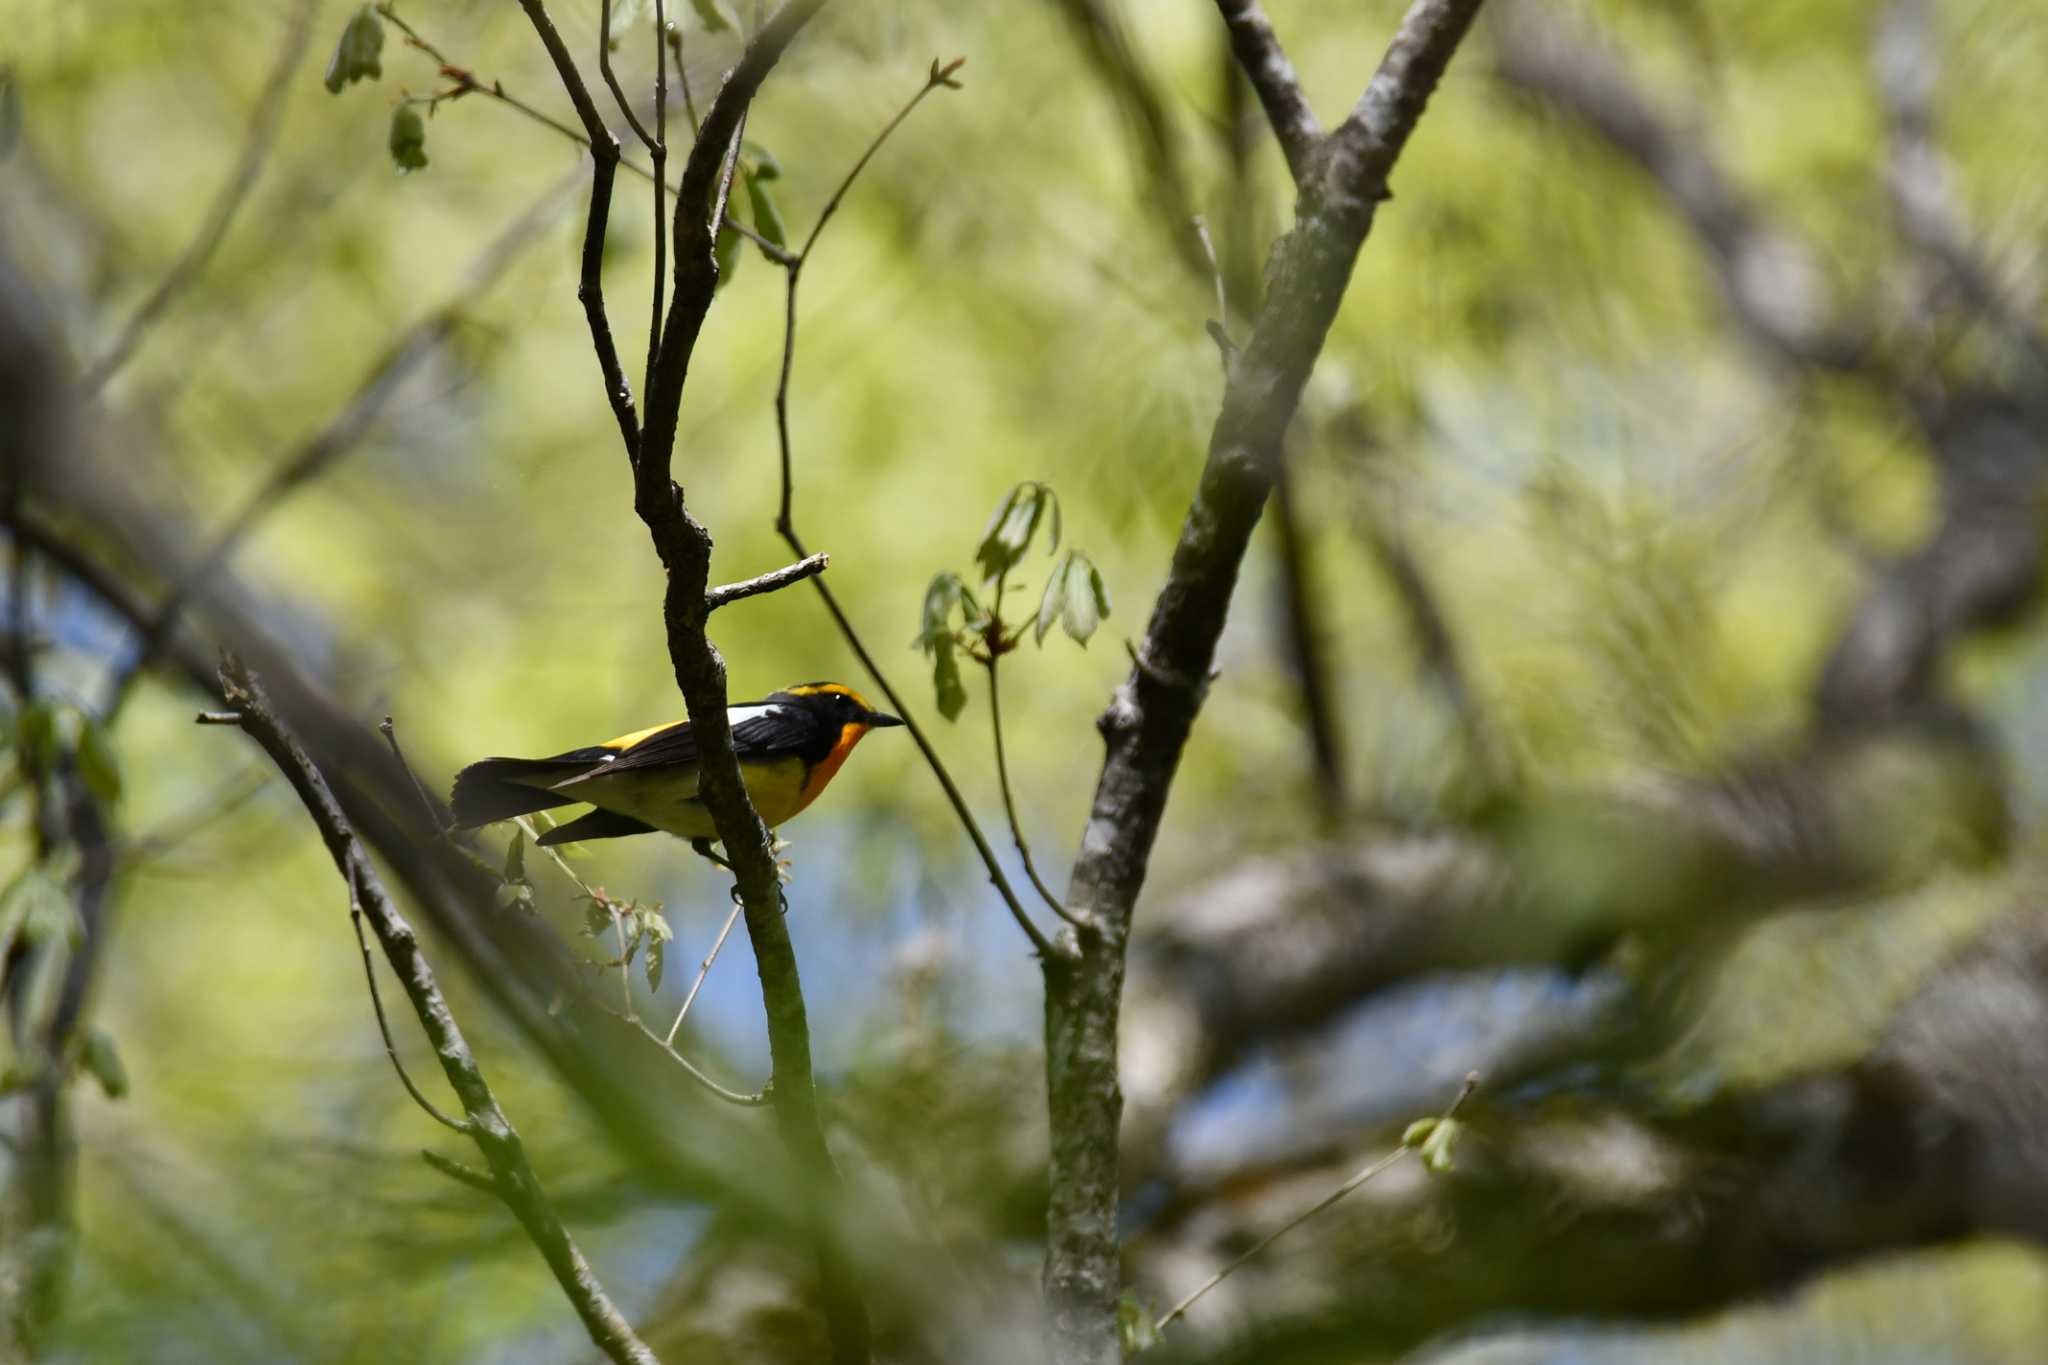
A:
(669, 802)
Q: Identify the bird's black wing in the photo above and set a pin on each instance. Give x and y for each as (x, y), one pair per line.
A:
(766, 728)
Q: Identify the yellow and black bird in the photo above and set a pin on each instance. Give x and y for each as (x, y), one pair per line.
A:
(789, 746)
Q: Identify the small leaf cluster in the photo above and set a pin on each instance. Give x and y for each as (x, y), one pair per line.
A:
(359, 57)
(644, 930)
(515, 887)
(50, 734)
(957, 618)
(1435, 1140)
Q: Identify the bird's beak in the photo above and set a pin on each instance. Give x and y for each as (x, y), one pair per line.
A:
(881, 720)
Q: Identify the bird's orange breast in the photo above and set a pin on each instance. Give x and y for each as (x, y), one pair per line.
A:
(825, 768)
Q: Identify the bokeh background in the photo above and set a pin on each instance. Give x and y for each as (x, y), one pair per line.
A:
(1563, 729)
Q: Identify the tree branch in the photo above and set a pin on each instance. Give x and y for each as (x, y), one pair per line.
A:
(810, 566)
(684, 547)
(1148, 720)
(487, 1126)
(1272, 76)
(264, 122)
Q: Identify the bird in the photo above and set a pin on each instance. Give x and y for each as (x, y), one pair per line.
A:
(790, 745)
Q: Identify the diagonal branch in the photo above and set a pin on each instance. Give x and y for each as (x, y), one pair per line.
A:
(1148, 720)
(486, 1124)
(264, 122)
(1265, 65)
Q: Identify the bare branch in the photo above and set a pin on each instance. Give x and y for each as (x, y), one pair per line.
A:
(264, 121)
(808, 567)
(355, 916)
(995, 715)
(785, 525)
(486, 1125)
(1367, 1173)
(684, 547)
(1148, 720)
(1266, 66)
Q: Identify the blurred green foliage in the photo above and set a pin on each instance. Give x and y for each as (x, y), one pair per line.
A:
(1644, 545)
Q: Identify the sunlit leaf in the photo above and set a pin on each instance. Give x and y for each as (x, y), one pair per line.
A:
(656, 961)
(1085, 601)
(1009, 532)
(356, 56)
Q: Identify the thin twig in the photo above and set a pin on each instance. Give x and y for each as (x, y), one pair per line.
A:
(995, 712)
(1375, 1168)
(604, 65)
(264, 122)
(938, 76)
(461, 1174)
(390, 733)
(703, 970)
(355, 916)
(1266, 66)
(658, 152)
(807, 567)
(785, 525)
(488, 1126)
(733, 1097)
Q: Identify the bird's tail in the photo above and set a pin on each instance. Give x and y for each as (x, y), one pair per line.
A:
(500, 788)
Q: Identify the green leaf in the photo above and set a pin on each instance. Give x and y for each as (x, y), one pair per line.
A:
(762, 161)
(408, 139)
(1086, 601)
(951, 693)
(38, 909)
(514, 896)
(98, 768)
(515, 859)
(941, 596)
(597, 918)
(1134, 1325)
(656, 925)
(715, 16)
(1009, 532)
(657, 959)
(37, 725)
(1435, 1140)
(103, 1063)
(356, 57)
(767, 218)
(1049, 603)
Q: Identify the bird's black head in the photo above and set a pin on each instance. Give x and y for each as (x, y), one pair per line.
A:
(836, 703)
